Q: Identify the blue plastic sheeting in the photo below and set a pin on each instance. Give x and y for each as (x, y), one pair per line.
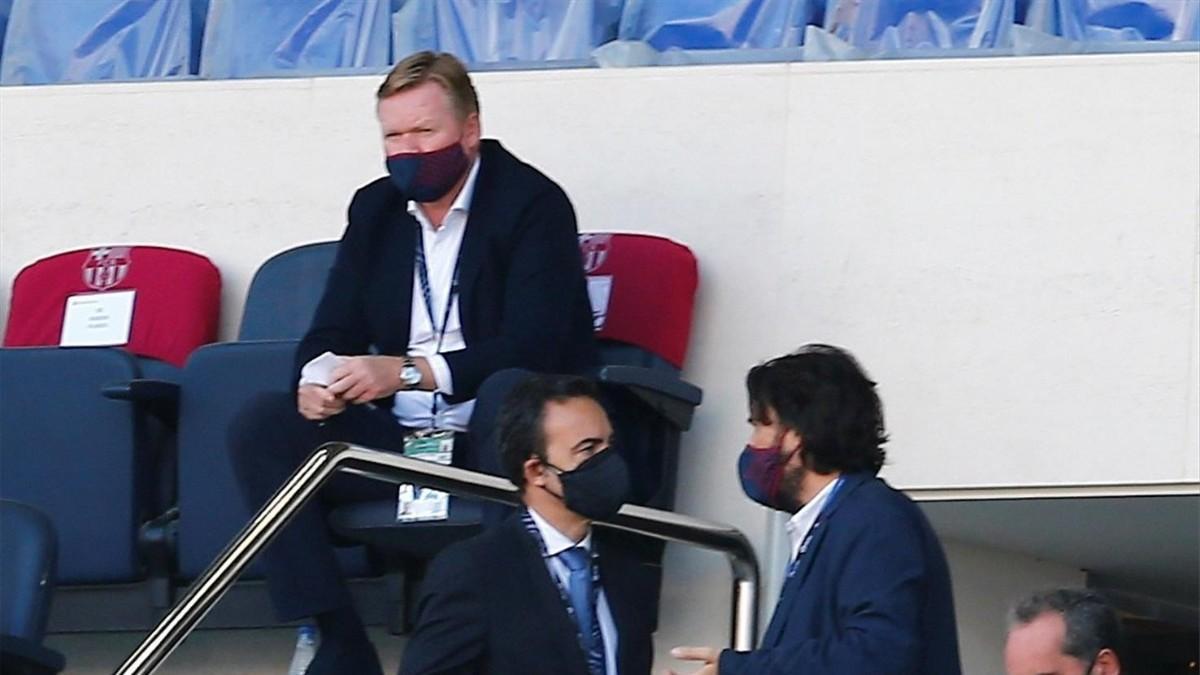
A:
(920, 24)
(89, 40)
(491, 31)
(5, 10)
(1114, 20)
(718, 24)
(257, 38)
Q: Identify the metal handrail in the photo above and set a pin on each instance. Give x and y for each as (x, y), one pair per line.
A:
(395, 468)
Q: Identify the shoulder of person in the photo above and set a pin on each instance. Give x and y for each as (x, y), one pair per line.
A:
(508, 168)
(378, 194)
(875, 505)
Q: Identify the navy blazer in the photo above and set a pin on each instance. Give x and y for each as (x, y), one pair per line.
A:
(489, 605)
(522, 294)
(870, 596)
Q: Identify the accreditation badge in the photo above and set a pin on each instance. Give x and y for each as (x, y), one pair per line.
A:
(413, 503)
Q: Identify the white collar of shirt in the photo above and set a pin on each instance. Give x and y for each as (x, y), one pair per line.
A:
(461, 204)
(557, 542)
(802, 521)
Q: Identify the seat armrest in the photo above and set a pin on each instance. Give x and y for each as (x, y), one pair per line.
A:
(673, 398)
(158, 397)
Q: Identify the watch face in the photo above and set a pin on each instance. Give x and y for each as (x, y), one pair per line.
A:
(410, 375)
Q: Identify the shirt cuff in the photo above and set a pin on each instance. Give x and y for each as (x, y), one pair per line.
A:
(442, 379)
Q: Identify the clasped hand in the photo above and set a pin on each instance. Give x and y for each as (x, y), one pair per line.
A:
(359, 379)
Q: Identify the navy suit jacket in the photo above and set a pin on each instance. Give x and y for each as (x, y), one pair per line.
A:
(489, 605)
(522, 293)
(870, 596)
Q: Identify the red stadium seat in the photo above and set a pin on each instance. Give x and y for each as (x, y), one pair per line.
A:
(175, 309)
(643, 291)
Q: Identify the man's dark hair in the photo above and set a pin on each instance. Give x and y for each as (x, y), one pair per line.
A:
(519, 423)
(1092, 623)
(821, 393)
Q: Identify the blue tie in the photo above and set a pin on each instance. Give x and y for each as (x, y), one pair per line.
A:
(579, 590)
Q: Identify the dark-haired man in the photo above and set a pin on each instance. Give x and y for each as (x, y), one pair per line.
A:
(1064, 631)
(542, 592)
(867, 589)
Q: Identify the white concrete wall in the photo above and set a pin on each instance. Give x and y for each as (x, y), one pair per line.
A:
(1009, 245)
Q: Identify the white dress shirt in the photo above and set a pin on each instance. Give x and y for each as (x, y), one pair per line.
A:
(803, 520)
(414, 409)
(557, 542)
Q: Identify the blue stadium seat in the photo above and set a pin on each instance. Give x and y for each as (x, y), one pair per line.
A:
(92, 40)
(260, 38)
(217, 382)
(83, 459)
(483, 31)
(28, 555)
(718, 24)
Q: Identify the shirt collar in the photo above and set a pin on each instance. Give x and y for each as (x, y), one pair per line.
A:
(557, 542)
(802, 521)
(462, 203)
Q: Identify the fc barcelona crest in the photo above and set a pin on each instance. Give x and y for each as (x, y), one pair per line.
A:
(594, 249)
(106, 267)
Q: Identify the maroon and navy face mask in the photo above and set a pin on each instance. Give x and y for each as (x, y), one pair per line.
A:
(761, 471)
(427, 176)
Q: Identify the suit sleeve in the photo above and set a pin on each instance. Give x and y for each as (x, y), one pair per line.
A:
(544, 274)
(339, 324)
(878, 599)
(451, 632)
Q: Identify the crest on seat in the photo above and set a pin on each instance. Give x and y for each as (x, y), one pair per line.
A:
(594, 249)
(106, 267)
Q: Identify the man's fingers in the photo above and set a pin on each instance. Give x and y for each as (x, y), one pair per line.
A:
(340, 385)
(706, 654)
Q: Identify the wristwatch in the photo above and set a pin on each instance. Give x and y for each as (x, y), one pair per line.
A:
(410, 375)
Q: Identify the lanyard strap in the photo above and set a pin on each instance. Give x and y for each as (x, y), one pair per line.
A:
(427, 295)
(532, 529)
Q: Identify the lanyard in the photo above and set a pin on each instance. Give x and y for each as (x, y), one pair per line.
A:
(427, 295)
(532, 528)
(812, 531)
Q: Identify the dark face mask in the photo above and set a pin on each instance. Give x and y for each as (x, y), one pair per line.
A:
(761, 472)
(598, 487)
(427, 176)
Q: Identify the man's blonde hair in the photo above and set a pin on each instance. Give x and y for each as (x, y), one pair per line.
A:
(443, 68)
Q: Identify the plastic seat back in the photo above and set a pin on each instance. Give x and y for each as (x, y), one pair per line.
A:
(28, 555)
(643, 291)
(77, 456)
(176, 306)
(284, 293)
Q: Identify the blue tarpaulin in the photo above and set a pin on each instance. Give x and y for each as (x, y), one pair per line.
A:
(920, 24)
(89, 40)
(492, 31)
(718, 24)
(1114, 20)
(256, 38)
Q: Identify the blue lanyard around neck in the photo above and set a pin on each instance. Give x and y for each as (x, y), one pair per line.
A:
(427, 296)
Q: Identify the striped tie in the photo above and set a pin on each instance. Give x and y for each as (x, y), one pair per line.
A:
(582, 597)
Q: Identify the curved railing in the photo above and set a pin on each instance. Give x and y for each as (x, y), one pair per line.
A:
(394, 468)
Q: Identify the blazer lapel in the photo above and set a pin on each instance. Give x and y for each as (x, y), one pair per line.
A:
(546, 600)
(793, 586)
(396, 275)
(479, 219)
(613, 580)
